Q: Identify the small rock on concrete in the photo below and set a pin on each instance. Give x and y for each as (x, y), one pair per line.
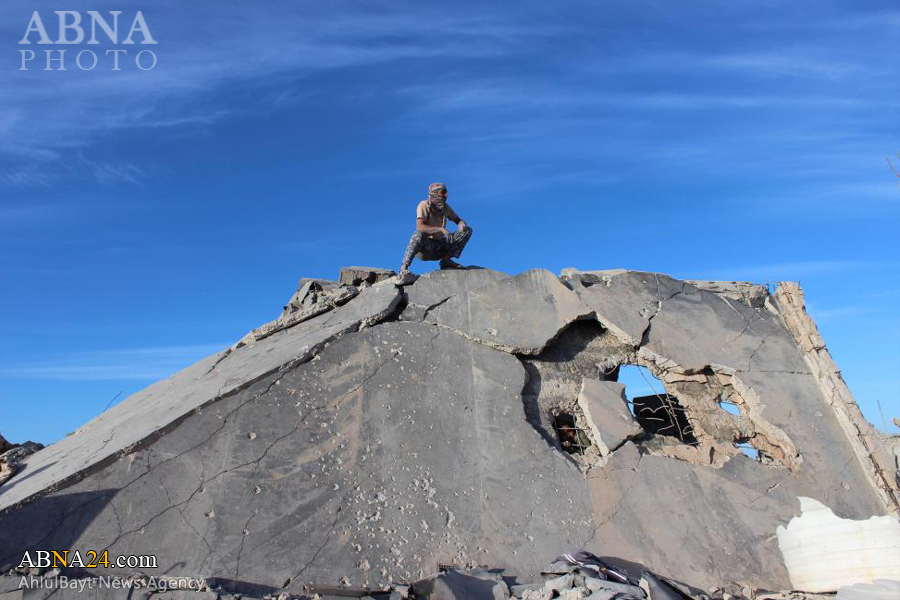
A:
(559, 584)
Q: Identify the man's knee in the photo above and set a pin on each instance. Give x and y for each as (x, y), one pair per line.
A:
(417, 239)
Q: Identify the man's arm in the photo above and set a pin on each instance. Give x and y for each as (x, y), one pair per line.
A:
(429, 229)
(451, 214)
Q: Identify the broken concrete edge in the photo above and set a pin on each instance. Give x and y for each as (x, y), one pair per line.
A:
(281, 323)
(750, 293)
(350, 282)
(772, 440)
(514, 350)
(867, 444)
(585, 313)
(357, 276)
(306, 355)
(594, 422)
(769, 439)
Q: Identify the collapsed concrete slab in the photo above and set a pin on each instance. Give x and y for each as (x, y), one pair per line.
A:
(650, 311)
(436, 287)
(605, 408)
(149, 413)
(399, 446)
(706, 524)
(365, 445)
(518, 314)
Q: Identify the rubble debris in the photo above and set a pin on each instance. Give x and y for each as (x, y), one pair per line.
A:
(469, 584)
(360, 276)
(13, 456)
(753, 295)
(310, 301)
(558, 584)
(824, 552)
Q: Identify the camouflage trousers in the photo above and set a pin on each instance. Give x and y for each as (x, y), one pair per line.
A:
(425, 248)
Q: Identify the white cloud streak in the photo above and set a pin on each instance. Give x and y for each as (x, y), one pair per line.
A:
(148, 363)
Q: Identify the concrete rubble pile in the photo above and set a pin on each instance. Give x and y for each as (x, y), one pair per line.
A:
(375, 433)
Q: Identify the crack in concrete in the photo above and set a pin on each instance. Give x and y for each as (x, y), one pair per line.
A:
(244, 534)
(188, 523)
(218, 430)
(618, 504)
(758, 348)
(645, 335)
(256, 461)
(226, 354)
(337, 516)
(748, 323)
(433, 306)
(769, 490)
(112, 505)
(62, 520)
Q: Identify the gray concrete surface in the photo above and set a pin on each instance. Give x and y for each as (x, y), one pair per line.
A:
(361, 447)
(610, 421)
(150, 412)
(402, 445)
(518, 314)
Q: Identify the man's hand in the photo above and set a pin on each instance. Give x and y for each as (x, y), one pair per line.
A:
(462, 225)
(443, 231)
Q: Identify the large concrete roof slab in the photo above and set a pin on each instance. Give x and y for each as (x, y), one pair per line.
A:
(402, 445)
(149, 412)
(436, 286)
(518, 314)
(692, 328)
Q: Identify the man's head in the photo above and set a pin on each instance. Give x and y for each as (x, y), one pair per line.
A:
(437, 193)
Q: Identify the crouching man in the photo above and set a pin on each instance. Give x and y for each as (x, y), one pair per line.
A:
(431, 240)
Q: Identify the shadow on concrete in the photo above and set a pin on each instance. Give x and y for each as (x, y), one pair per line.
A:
(54, 522)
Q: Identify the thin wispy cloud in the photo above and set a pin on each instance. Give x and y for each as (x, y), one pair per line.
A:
(47, 113)
(150, 363)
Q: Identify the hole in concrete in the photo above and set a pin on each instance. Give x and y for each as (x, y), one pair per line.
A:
(639, 381)
(663, 414)
(749, 450)
(729, 407)
(571, 438)
(655, 410)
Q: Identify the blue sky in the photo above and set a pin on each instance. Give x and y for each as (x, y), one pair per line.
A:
(149, 218)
